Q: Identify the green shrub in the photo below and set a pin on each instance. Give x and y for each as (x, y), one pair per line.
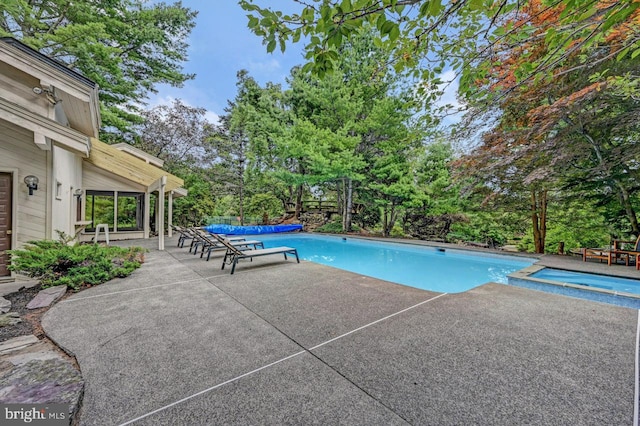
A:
(397, 231)
(492, 234)
(55, 263)
(335, 228)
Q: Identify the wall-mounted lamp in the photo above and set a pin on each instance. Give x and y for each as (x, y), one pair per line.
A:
(78, 193)
(32, 183)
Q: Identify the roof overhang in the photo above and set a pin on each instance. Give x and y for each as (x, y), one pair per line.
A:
(79, 94)
(120, 163)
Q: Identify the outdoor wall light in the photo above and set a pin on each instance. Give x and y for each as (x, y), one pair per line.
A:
(48, 92)
(78, 193)
(32, 183)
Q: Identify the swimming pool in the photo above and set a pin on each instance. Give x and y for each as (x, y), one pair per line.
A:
(427, 268)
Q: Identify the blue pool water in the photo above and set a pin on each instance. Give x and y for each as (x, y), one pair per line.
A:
(590, 280)
(450, 271)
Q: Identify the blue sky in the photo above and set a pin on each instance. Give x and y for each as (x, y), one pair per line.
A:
(220, 46)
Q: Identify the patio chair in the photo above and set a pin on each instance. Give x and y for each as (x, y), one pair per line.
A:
(211, 243)
(234, 254)
(617, 251)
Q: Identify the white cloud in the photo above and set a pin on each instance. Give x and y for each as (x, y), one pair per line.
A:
(268, 66)
(212, 117)
(155, 101)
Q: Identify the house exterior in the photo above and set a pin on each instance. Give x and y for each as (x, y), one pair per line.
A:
(49, 123)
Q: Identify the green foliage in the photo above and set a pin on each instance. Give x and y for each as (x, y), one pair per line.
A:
(264, 205)
(334, 227)
(225, 206)
(397, 231)
(56, 263)
(197, 205)
(484, 228)
(576, 225)
(368, 217)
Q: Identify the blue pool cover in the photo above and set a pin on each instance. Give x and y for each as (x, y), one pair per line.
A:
(250, 230)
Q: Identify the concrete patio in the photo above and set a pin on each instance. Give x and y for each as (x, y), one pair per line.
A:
(181, 342)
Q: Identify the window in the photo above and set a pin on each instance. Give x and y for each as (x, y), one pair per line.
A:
(121, 211)
(58, 190)
(130, 211)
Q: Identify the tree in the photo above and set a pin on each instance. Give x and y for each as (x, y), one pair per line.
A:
(426, 36)
(320, 142)
(437, 205)
(178, 134)
(199, 203)
(570, 132)
(126, 46)
(233, 138)
(358, 120)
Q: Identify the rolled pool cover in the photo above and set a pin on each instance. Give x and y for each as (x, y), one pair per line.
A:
(250, 230)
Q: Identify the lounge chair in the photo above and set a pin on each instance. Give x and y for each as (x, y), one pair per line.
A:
(185, 234)
(200, 240)
(211, 243)
(234, 254)
(617, 251)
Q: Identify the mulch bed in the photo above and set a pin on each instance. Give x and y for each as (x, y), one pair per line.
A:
(30, 317)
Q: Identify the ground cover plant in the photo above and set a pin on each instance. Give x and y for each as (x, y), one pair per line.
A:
(76, 266)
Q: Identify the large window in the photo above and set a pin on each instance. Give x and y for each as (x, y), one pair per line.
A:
(130, 211)
(121, 211)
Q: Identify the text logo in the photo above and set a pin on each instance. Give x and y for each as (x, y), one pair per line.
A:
(34, 414)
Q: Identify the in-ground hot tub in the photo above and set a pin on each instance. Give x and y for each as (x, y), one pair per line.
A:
(600, 288)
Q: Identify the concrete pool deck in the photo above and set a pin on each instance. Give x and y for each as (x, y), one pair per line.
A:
(181, 342)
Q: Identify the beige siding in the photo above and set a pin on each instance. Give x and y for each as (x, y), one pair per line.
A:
(17, 151)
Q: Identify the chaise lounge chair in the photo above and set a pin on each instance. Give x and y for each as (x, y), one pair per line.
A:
(210, 243)
(202, 239)
(234, 254)
(185, 234)
(611, 255)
